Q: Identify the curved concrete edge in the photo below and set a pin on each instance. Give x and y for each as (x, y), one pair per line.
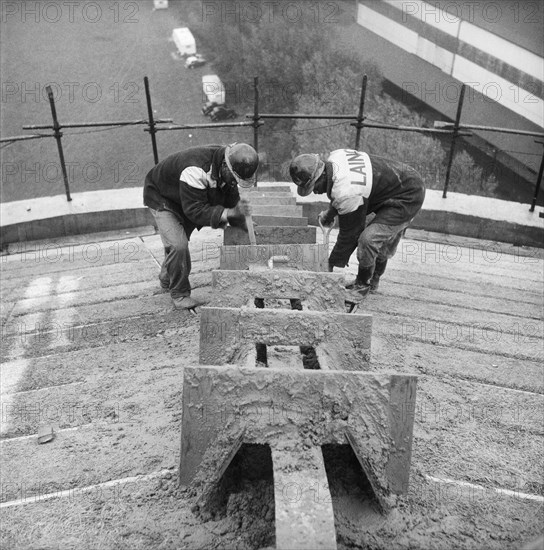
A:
(75, 224)
(461, 215)
(87, 212)
(462, 225)
(107, 210)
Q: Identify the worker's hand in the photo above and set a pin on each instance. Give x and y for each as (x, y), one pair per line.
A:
(324, 219)
(241, 223)
(238, 222)
(236, 218)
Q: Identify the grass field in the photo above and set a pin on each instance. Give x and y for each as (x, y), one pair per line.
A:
(96, 70)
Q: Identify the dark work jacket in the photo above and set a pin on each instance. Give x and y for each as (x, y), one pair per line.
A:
(396, 197)
(197, 205)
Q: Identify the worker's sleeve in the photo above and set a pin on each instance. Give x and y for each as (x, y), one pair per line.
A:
(351, 226)
(232, 196)
(193, 193)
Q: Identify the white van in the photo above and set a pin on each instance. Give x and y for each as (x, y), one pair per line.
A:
(213, 89)
(184, 40)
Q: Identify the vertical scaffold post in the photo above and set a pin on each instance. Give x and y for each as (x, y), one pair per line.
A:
(58, 137)
(256, 117)
(454, 136)
(538, 181)
(151, 121)
(360, 116)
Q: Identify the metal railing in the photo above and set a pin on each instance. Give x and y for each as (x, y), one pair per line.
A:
(455, 129)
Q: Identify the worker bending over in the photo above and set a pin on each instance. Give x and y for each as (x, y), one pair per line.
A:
(358, 184)
(189, 190)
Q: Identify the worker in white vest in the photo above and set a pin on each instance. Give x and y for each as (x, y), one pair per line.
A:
(358, 184)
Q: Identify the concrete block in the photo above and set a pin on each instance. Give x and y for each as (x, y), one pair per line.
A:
(278, 221)
(294, 411)
(317, 291)
(267, 189)
(277, 210)
(229, 335)
(260, 193)
(303, 522)
(308, 257)
(256, 199)
(271, 235)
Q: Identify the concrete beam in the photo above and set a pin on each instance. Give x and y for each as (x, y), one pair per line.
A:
(317, 291)
(278, 221)
(251, 194)
(303, 522)
(271, 235)
(277, 210)
(267, 189)
(308, 257)
(296, 411)
(228, 335)
(256, 199)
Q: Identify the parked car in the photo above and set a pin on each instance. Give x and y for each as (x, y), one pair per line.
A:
(222, 113)
(208, 107)
(194, 61)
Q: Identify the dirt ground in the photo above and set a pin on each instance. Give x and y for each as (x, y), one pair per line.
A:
(91, 345)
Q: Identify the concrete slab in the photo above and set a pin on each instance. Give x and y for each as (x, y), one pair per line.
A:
(105, 429)
(341, 340)
(487, 432)
(317, 291)
(270, 187)
(27, 246)
(269, 198)
(278, 210)
(303, 522)
(308, 257)
(253, 194)
(272, 235)
(296, 411)
(45, 259)
(277, 221)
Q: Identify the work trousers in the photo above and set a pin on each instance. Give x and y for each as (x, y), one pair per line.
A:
(379, 242)
(176, 266)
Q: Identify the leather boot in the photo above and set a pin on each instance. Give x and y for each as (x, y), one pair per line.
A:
(185, 302)
(378, 272)
(362, 282)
